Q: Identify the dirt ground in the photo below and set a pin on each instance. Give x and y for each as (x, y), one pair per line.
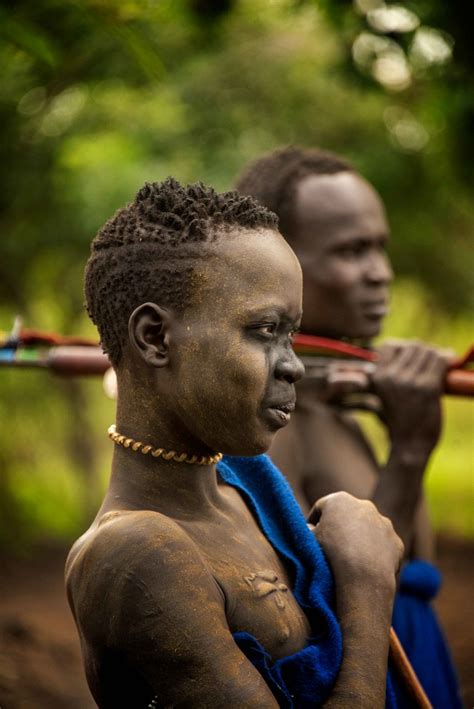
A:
(40, 666)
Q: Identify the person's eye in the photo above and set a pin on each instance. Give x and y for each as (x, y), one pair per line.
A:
(266, 329)
(351, 251)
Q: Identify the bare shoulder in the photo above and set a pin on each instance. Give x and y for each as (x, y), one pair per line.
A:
(330, 429)
(140, 589)
(333, 454)
(125, 535)
(127, 561)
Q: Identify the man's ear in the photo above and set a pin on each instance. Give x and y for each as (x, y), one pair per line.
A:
(149, 333)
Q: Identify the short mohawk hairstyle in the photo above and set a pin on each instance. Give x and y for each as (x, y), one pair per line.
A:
(148, 251)
(272, 179)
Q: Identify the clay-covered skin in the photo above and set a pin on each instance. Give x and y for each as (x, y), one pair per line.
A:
(174, 562)
(340, 239)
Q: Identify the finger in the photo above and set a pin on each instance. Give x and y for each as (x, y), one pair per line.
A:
(314, 515)
(400, 360)
(317, 509)
(397, 345)
(421, 360)
(399, 352)
(396, 342)
(340, 382)
(387, 352)
(447, 354)
(434, 373)
(408, 358)
(412, 360)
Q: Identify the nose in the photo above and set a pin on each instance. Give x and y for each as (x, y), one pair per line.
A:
(379, 270)
(289, 367)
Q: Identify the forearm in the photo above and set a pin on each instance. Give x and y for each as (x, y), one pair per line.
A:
(408, 379)
(365, 614)
(399, 489)
(423, 545)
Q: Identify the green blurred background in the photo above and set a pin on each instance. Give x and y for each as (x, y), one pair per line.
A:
(98, 96)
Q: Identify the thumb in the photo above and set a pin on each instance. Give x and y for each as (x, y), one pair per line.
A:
(314, 514)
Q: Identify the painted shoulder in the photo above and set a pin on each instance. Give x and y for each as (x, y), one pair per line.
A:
(125, 558)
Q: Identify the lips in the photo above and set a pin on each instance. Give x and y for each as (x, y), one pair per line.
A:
(377, 308)
(280, 412)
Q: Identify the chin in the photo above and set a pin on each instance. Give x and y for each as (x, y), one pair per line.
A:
(371, 332)
(350, 329)
(249, 448)
(365, 331)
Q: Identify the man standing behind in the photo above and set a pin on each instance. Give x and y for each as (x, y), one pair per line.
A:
(336, 224)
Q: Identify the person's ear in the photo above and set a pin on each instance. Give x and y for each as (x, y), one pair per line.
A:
(149, 333)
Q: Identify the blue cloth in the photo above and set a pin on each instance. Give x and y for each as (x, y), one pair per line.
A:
(304, 679)
(416, 625)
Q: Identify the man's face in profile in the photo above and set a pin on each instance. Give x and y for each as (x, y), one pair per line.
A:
(340, 238)
(233, 369)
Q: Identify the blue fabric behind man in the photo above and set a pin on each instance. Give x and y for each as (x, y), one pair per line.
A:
(416, 625)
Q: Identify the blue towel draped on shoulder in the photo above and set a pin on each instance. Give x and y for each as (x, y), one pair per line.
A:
(417, 627)
(305, 678)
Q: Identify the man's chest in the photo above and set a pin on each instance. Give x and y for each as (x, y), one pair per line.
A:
(323, 452)
(255, 585)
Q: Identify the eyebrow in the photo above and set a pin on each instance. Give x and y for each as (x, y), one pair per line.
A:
(265, 311)
(361, 237)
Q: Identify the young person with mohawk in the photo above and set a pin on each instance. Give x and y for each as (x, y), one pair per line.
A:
(200, 583)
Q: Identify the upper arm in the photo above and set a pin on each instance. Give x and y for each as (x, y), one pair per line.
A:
(165, 613)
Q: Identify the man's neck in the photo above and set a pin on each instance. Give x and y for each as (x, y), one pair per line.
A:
(309, 393)
(141, 481)
(176, 489)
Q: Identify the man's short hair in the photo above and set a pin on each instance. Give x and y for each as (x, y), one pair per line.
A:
(148, 251)
(272, 179)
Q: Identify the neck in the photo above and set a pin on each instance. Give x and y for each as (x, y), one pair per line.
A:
(141, 481)
(309, 393)
(176, 489)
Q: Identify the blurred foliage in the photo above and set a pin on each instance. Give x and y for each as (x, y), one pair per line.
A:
(99, 96)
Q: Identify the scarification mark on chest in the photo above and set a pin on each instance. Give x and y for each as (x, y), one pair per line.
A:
(263, 583)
